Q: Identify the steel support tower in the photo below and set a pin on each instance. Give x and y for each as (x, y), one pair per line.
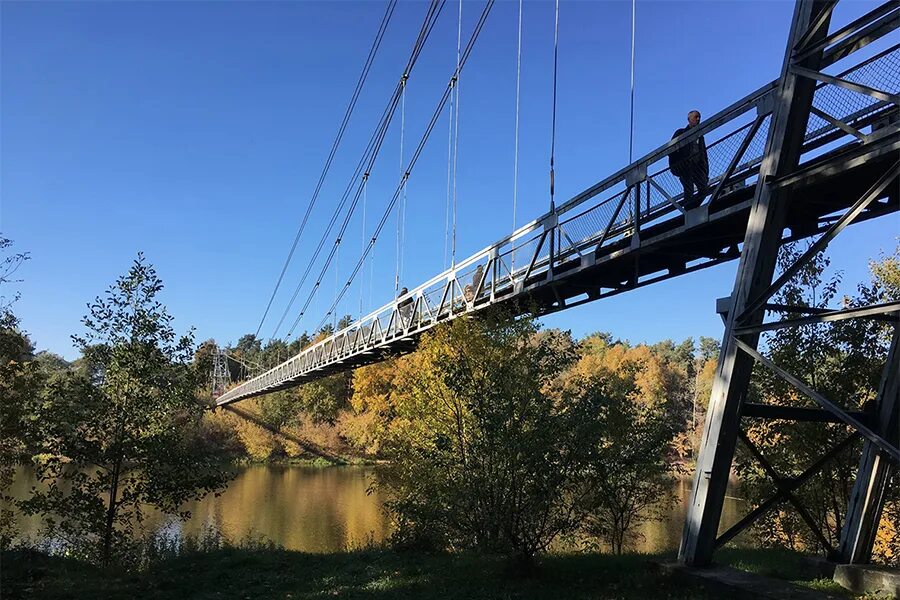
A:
(811, 48)
(220, 377)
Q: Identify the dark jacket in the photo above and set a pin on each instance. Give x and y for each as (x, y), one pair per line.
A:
(690, 159)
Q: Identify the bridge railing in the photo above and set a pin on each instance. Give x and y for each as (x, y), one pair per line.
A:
(612, 212)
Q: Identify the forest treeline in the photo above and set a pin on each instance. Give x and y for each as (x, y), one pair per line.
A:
(351, 414)
(496, 435)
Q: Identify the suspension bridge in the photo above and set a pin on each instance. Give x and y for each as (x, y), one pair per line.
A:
(803, 156)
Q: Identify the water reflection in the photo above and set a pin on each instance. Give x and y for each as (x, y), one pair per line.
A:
(328, 510)
(301, 508)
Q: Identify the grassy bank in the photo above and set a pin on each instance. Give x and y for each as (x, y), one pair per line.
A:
(375, 574)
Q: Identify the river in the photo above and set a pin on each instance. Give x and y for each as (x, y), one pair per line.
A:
(330, 510)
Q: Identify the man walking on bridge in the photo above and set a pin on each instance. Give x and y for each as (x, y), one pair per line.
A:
(691, 165)
(405, 307)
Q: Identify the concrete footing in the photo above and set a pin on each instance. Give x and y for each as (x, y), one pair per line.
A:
(869, 579)
(727, 582)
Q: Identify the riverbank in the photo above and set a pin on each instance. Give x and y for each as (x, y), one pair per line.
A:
(374, 574)
(317, 462)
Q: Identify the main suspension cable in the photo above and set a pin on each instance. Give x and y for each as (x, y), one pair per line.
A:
(371, 162)
(382, 28)
(359, 167)
(368, 155)
(415, 157)
(337, 242)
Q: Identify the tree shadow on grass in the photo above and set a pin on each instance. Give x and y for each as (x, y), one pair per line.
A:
(364, 575)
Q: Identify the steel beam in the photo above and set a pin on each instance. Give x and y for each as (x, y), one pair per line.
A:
(789, 485)
(875, 468)
(757, 264)
(797, 413)
(874, 311)
(787, 490)
(883, 444)
(875, 192)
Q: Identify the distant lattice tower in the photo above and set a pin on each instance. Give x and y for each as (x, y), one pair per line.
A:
(221, 376)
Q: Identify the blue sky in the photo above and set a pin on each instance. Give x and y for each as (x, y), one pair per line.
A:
(195, 132)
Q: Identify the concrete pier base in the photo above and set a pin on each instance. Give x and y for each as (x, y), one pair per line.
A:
(727, 582)
(869, 579)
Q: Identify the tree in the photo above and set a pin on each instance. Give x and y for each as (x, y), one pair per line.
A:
(681, 367)
(204, 358)
(481, 456)
(117, 436)
(274, 353)
(324, 399)
(372, 404)
(20, 380)
(9, 265)
(628, 477)
(709, 348)
(249, 346)
(300, 343)
(51, 362)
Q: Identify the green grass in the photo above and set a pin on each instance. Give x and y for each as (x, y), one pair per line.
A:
(771, 562)
(380, 574)
(370, 574)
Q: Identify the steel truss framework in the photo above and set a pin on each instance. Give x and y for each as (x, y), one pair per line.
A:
(221, 375)
(811, 49)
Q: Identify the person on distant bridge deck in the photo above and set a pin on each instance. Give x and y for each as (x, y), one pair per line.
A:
(471, 289)
(405, 307)
(691, 165)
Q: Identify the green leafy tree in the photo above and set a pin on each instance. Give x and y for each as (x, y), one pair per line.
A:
(9, 265)
(628, 477)
(20, 381)
(274, 353)
(119, 435)
(709, 348)
(52, 363)
(249, 346)
(204, 358)
(300, 342)
(325, 398)
(481, 456)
